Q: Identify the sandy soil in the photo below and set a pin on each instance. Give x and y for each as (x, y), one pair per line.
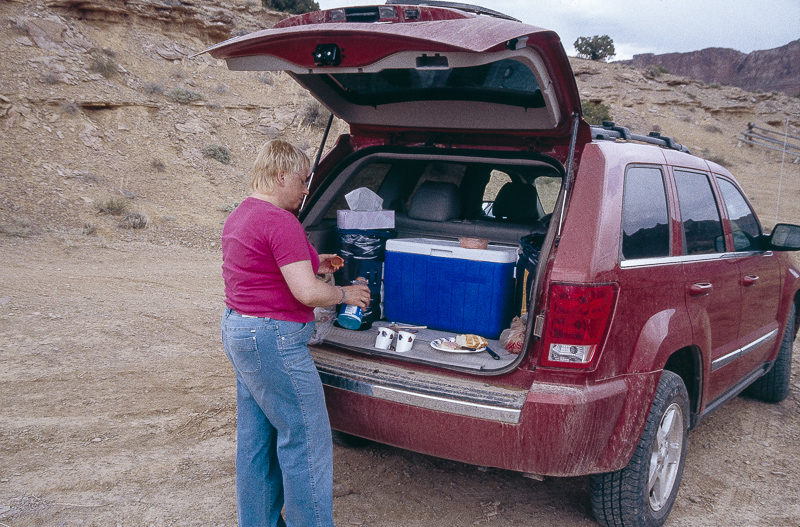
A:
(118, 404)
(119, 409)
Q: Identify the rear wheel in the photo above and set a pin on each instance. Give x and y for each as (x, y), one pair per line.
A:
(642, 493)
(773, 386)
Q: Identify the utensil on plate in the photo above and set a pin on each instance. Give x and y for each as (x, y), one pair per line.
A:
(491, 353)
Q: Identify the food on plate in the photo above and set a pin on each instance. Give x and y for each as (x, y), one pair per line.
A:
(448, 344)
(471, 341)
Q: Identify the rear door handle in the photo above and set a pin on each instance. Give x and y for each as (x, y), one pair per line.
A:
(749, 280)
(701, 288)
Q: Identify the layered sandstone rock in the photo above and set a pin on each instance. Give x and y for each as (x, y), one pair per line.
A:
(775, 69)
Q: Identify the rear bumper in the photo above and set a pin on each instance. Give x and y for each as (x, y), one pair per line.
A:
(549, 429)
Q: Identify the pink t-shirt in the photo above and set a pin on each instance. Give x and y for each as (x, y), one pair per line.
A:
(257, 240)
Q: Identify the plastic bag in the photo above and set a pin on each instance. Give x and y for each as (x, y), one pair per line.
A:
(513, 337)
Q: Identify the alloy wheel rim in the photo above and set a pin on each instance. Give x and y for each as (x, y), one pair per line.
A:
(665, 457)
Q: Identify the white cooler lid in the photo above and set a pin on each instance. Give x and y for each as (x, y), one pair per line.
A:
(452, 249)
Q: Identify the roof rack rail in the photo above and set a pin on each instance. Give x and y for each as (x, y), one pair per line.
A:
(611, 132)
(455, 5)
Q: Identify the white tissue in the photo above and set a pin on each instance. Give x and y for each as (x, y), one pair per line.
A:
(364, 199)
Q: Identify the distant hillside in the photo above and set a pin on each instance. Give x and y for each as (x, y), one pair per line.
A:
(104, 113)
(767, 70)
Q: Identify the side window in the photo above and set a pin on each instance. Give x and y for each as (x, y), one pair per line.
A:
(743, 221)
(645, 217)
(548, 189)
(496, 181)
(702, 227)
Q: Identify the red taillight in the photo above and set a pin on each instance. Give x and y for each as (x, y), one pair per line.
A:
(577, 318)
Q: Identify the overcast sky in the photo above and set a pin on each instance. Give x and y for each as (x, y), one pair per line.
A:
(654, 26)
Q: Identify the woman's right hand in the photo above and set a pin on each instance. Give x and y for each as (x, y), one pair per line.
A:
(356, 295)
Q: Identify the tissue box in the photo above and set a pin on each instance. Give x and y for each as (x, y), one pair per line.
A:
(365, 219)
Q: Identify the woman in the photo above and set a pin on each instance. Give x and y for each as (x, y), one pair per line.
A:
(284, 450)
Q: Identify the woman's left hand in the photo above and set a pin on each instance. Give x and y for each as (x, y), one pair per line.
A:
(329, 263)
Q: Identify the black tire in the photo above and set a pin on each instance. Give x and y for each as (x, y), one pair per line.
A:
(350, 441)
(630, 497)
(773, 386)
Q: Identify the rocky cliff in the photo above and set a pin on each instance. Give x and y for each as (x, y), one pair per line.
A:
(768, 70)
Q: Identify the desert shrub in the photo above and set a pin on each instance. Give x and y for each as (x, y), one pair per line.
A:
(596, 113)
(102, 62)
(228, 207)
(294, 7)
(158, 165)
(69, 107)
(314, 114)
(797, 95)
(19, 228)
(115, 205)
(712, 128)
(221, 89)
(89, 229)
(51, 77)
(716, 158)
(183, 96)
(657, 128)
(715, 85)
(655, 70)
(152, 88)
(218, 152)
(598, 47)
(134, 220)
(266, 78)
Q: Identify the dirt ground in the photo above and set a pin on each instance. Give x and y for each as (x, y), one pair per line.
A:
(119, 409)
(118, 403)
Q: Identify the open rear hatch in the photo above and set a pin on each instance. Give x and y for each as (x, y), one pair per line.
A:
(420, 68)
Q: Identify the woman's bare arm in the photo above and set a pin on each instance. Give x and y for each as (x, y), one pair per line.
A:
(315, 293)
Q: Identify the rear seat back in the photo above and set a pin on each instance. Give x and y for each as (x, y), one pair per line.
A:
(435, 212)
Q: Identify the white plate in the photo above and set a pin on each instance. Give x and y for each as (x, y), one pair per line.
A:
(437, 344)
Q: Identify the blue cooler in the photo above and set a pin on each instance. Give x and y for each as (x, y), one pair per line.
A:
(439, 284)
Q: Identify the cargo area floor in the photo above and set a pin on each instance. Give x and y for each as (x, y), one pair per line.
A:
(421, 351)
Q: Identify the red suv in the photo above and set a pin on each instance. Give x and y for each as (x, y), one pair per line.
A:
(644, 291)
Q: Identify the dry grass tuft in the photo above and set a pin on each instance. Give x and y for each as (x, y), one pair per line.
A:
(103, 62)
(19, 228)
(314, 114)
(219, 152)
(134, 220)
(183, 96)
(115, 206)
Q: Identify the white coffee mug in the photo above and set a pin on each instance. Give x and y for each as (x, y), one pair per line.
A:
(384, 339)
(405, 340)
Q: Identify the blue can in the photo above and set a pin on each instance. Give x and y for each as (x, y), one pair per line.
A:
(350, 317)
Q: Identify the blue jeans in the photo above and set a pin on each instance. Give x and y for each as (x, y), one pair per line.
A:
(284, 453)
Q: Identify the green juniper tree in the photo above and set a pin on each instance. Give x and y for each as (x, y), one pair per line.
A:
(598, 47)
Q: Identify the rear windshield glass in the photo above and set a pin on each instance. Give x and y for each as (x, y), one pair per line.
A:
(506, 82)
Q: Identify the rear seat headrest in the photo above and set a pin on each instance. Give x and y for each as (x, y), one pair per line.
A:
(436, 201)
(516, 202)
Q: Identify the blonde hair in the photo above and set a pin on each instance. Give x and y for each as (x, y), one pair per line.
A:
(276, 156)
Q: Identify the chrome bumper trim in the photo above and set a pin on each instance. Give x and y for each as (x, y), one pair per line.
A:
(421, 400)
